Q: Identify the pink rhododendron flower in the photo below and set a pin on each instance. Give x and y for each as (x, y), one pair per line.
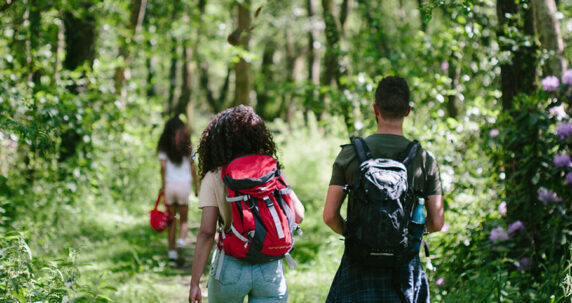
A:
(523, 264)
(498, 234)
(558, 111)
(564, 130)
(515, 226)
(546, 196)
(444, 66)
(494, 133)
(550, 83)
(562, 160)
(567, 77)
(440, 281)
(502, 208)
(568, 178)
(445, 228)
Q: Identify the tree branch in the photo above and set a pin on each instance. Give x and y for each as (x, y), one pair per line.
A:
(6, 5)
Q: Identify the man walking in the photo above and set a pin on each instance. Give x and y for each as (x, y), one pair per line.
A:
(405, 281)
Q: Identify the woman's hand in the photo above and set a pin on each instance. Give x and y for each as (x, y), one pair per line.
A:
(195, 294)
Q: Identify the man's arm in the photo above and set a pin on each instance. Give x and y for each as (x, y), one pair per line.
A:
(332, 216)
(435, 213)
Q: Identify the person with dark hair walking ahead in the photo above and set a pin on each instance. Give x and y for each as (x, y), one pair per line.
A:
(233, 134)
(177, 172)
(379, 274)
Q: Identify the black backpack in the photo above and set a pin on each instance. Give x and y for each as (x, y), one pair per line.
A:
(379, 227)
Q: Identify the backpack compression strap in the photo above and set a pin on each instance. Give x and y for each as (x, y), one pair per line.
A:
(361, 148)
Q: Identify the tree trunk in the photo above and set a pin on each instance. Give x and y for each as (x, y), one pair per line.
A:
(517, 76)
(262, 97)
(186, 88)
(333, 40)
(172, 78)
(80, 50)
(454, 74)
(344, 12)
(312, 61)
(6, 5)
(35, 18)
(80, 37)
(216, 104)
(242, 69)
(135, 22)
(291, 56)
(333, 70)
(423, 24)
(548, 29)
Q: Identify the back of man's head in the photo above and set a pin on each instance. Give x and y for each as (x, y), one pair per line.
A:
(392, 97)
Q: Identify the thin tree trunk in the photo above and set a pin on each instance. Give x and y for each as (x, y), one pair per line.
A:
(172, 77)
(454, 74)
(242, 69)
(344, 13)
(35, 19)
(420, 6)
(333, 70)
(262, 97)
(151, 91)
(287, 98)
(518, 75)
(313, 61)
(80, 38)
(6, 5)
(138, 8)
(80, 50)
(216, 104)
(187, 71)
(333, 40)
(548, 29)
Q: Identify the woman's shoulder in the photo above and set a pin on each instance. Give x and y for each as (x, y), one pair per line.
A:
(213, 176)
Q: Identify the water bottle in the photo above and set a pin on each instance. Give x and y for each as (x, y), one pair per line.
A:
(419, 219)
(419, 212)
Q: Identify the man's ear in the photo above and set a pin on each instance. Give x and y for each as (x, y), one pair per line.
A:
(407, 112)
(376, 110)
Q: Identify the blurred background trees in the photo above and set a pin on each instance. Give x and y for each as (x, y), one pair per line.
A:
(86, 85)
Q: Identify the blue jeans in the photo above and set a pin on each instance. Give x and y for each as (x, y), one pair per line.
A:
(238, 279)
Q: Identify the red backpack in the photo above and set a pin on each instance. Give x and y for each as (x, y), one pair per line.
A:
(262, 211)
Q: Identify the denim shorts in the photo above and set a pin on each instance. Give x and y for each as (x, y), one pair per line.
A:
(238, 279)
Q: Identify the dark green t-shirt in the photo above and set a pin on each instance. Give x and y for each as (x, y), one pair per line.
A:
(425, 171)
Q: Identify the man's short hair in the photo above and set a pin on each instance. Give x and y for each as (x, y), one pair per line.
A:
(392, 97)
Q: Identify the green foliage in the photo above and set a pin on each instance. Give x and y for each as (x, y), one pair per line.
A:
(27, 278)
(78, 171)
(480, 268)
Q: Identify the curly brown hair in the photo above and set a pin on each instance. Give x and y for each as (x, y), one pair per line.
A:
(232, 133)
(175, 140)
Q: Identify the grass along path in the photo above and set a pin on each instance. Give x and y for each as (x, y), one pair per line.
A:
(123, 258)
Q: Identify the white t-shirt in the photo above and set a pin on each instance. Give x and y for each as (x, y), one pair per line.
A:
(174, 172)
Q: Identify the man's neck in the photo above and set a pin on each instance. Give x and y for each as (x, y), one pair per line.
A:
(392, 127)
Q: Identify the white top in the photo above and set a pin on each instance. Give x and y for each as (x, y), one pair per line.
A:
(174, 172)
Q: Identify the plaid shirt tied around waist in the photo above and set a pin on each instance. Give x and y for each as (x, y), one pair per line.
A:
(356, 283)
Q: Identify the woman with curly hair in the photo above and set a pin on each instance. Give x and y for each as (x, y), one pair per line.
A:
(233, 133)
(177, 172)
